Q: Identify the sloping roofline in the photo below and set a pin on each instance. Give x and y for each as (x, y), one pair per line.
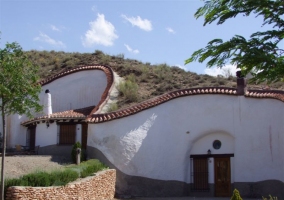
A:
(72, 114)
(99, 118)
(95, 117)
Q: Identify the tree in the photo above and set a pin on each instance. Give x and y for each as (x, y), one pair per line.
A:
(19, 90)
(260, 54)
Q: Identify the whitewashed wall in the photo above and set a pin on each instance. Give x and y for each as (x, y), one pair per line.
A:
(74, 91)
(16, 134)
(77, 90)
(46, 136)
(204, 143)
(156, 144)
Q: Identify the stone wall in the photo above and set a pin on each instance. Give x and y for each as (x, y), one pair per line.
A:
(98, 187)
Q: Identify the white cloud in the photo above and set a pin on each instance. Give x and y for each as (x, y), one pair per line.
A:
(224, 71)
(181, 66)
(45, 38)
(170, 30)
(54, 28)
(143, 24)
(100, 32)
(130, 49)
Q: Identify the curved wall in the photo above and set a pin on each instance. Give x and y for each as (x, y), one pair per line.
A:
(157, 143)
(76, 90)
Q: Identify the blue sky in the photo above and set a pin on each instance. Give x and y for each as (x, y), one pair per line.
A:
(155, 31)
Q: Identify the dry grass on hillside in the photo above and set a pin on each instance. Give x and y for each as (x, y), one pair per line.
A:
(152, 80)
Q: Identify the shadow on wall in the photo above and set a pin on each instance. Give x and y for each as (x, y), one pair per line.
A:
(56, 150)
(137, 186)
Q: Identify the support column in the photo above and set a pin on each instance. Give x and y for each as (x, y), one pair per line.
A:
(79, 133)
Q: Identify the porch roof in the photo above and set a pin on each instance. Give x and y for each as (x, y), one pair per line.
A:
(74, 115)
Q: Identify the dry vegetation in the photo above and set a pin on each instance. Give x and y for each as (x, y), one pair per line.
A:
(143, 80)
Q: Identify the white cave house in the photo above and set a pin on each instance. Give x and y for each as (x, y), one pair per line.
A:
(191, 142)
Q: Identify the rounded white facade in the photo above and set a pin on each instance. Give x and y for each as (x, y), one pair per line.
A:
(157, 143)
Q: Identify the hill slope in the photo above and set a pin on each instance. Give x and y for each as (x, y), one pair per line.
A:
(144, 81)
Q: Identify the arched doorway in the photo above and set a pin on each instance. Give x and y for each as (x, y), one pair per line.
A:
(211, 158)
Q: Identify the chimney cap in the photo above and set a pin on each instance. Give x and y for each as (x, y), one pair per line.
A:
(239, 74)
(47, 91)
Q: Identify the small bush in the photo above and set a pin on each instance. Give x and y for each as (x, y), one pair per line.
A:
(98, 53)
(112, 107)
(129, 90)
(221, 82)
(236, 195)
(88, 168)
(120, 56)
(74, 152)
(270, 198)
(43, 179)
(37, 179)
(58, 177)
(92, 166)
(65, 176)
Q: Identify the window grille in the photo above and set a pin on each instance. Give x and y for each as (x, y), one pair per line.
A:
(200, 174)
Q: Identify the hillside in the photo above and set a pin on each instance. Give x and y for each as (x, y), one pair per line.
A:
(144, 80)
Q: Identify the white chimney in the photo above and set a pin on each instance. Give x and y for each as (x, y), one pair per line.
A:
(47, 109)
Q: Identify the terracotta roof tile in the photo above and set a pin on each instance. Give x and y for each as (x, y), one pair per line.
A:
(93, 116)
(186, 92)
(275, 94)
(81, 113)
(157, 101)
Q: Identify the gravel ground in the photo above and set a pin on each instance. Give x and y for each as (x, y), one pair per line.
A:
(16, 166)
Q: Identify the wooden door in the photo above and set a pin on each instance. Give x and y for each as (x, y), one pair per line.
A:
(67, 134)
(31, 137)
(222, 177)
(200, 174)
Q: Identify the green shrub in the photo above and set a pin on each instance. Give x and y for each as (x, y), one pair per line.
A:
(74, 152)
(221, 82)
(145, 71)
(120, 56)
(98, 53)
(37, 179)
(236, 195)
(129, 90)
(112, 107)
(43, 179)
(9, 183)
(65, 176)
(270, 198)
(90, 167)
(58, 177)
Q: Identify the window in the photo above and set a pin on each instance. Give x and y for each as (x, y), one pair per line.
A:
(217, 144)
(200, 174)
(67, 134)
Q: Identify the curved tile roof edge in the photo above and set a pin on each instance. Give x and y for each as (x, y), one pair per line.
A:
(106, 69)
(98, 118)
(274, 94)
(110, 82)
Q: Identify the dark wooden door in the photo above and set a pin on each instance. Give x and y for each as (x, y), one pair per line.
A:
(222, 177)
(32, 136)
(200, 174)
(67, 134)
(84, 135)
